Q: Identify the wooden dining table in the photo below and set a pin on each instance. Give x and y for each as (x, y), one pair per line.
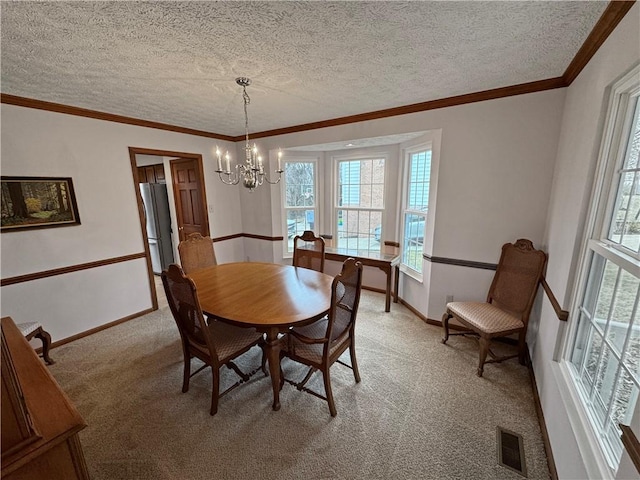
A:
(269, 297)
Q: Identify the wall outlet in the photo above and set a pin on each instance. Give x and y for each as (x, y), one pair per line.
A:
(449, 298)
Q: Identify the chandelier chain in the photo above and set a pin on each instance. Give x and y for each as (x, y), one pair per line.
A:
(247, 101)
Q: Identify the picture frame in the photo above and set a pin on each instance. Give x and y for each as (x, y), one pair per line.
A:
(37, 202)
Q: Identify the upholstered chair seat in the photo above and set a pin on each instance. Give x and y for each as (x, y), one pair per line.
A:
(484, 315)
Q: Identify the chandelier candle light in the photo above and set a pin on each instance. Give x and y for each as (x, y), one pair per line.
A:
(252, 171)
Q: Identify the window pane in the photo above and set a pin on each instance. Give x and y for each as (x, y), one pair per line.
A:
(349, 183)
(605, 295)
(358, 229)
(413, 241)
(582, 341)
(605, 378)
(625, 224)
(626, 399)
(624, 404)
(606, 351)
(361, 183)
(594, 350)
(593, 285)
(633, 145)
(623, 310)
(631, 358)
(298, 221)
(299, 192)
(419, 175)
(299, 184)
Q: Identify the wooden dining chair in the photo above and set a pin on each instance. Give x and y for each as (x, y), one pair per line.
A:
(216, 343)
(196, 252)
(321, 344)
(508, 304)
(308, 251)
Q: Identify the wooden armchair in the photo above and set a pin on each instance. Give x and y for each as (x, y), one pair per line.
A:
(34, 329)
(216, 344)
(320, 344)
(308, 251)
(196, 252)
(508, 304)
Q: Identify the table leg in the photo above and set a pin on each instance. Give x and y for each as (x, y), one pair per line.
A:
(273, 356)
(387, 300)
(396, 280)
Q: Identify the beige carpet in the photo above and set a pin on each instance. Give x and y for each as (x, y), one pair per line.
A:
(420, 412)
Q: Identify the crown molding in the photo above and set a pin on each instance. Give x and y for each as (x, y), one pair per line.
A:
(611, 17)
(530, 87)
(109, 117)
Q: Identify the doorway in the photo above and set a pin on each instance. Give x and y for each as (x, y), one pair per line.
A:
(157, 183)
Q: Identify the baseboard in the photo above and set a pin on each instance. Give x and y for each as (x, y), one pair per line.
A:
(543, 425)
(98, 329)
(374, 289)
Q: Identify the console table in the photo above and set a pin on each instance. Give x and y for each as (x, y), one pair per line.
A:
(387, 262)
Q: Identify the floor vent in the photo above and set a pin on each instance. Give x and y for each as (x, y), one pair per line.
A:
(511, 451)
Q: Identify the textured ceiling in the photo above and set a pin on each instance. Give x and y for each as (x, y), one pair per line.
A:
(175, 62)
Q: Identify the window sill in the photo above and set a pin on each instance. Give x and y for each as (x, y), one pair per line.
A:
(409, 272)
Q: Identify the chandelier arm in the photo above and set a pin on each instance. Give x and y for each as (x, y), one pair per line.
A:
(276, 181)
(234, 182)
(232, 177)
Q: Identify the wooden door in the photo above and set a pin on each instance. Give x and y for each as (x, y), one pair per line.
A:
(188, 191)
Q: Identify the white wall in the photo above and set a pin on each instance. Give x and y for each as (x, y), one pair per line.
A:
(95, 154)
(495, 175)
(577, 154)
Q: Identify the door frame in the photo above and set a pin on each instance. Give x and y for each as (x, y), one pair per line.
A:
(133, 151)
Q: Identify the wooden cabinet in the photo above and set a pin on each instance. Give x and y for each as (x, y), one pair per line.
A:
(151, 174)
(40, 425)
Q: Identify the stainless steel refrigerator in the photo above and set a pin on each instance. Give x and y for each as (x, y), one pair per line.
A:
(156, 209)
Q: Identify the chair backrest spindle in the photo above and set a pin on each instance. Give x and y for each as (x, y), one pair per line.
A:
(308, 251)
(196, 252)
(185, 307)
(345, 298)
(516, 280)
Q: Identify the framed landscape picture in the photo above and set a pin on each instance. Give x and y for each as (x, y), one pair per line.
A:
(37, 202)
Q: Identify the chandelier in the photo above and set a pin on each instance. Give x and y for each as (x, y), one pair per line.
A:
(252, 172)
